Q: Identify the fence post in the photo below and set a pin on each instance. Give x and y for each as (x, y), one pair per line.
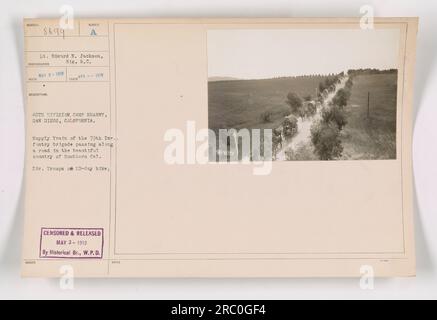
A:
(368, 105)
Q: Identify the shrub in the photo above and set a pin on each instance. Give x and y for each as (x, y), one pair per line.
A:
(336, 115)
(266, 116)
(309, 109)
(295, 103)
(303, 152)
(341, 98)
(329, 83)
(277, 140)
(289, 126)
(326, 141)
(349, 83)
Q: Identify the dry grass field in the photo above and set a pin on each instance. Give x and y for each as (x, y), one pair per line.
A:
(373, 137)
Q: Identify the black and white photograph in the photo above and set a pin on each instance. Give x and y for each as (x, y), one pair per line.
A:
(324, 94)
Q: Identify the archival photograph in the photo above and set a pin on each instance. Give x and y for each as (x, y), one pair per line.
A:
(315, 94)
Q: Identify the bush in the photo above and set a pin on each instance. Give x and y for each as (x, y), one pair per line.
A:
(266, 116)
(309, 109)
(295, 103)
(303, 152)
(329, 83)
(336, 115)
(321, 87)
(289, 126)
(341, 98)
(277, 140)
(326, 141)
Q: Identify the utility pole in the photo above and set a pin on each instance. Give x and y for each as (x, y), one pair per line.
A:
(368, 105)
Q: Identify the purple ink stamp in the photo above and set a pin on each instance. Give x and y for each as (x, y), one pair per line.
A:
(71, 243)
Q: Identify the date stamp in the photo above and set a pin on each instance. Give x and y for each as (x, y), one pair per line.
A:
(71, 243)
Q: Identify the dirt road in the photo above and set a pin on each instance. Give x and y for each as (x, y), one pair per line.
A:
(303, 135)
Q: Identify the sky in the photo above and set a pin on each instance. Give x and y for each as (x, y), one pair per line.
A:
(268, 53)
